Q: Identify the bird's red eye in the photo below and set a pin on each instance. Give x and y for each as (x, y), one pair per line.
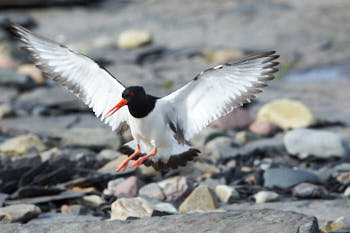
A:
(132, 93)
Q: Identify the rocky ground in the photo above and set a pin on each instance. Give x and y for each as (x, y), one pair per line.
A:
(279, 164)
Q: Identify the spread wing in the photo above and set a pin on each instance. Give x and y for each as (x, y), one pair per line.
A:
(78, 73)
(217, 91)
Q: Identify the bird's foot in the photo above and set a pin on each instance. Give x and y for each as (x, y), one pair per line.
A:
(139, 161)
(123, 165)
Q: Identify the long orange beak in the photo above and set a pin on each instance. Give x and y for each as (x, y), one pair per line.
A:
(121, 103)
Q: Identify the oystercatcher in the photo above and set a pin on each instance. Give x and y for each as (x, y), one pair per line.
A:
(161, 127)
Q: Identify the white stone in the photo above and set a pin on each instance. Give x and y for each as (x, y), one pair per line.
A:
(226, 193)
(133, 38)
(266, 196)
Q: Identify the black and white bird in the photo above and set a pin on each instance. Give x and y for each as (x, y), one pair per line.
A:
(161, 127)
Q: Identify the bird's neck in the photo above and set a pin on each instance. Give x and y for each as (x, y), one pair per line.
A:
(142, 107)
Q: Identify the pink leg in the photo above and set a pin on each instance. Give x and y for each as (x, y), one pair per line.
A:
(143, 158)
(124, 164)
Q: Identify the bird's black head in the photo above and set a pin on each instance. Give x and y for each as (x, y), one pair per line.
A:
(139, 103)
(134, 94)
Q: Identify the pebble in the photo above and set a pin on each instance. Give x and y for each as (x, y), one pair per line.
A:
(347, 192)
(266, 196)
(237, 119)
(318, 143)
(307, 190)
(246, 136)
(33, 72)
(137, 207)
(5, 110)
(200, 199)
(218, 142)
(263, 128)
(205, 136)
(112, 184)
(344, 178)
(7, 61)
(129, 187)
(108, 154)
(221, 55)
(19, 213)
(74, 210)
(335, 226)
(22, 144)
(93, 200)
(133, 38)
(175, 188)
(9, 77)
(286, 113)
(153, 191)
(285, 178)
(226, 194)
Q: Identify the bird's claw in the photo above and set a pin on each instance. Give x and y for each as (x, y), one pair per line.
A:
(123, 165)
(137, 163)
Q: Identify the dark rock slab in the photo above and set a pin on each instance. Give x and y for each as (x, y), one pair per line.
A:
(266, 146)
(69, 194)
(285, 178)
(248, 221)
(3, 197)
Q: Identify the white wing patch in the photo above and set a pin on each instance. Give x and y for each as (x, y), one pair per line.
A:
(78, 73)
(217, 91)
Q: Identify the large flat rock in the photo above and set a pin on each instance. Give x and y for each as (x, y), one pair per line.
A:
(247, 221)
(323, 210)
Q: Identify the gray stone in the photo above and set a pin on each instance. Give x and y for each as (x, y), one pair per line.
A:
(307, 190)
(285, 178)
(128, 187)
(112, 184)
(175, 188)
(201, 198)
(271, 146)
(57, 98)
(226, 193)
(218, 142)
(317, 143)
(153, 191)
(22, 144)
(19, 213)
(92, 138)
(248, 221)
(205, 135)
(11, 78)
(7, 94)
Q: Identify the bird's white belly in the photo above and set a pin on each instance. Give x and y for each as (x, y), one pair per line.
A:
(150, 129)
